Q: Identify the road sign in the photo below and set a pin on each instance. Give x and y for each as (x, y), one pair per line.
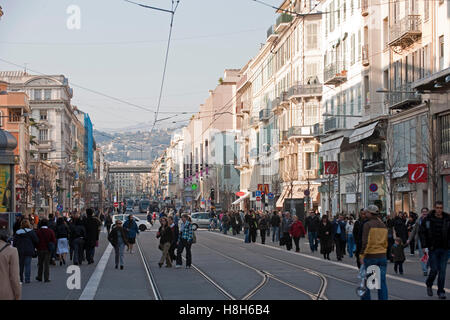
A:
(121, 204)
(306, 193)
(258, 198)
(240, 193)
(271, 196)
(59, 207)
(116, 204)
(194, 186)
(373, 187)
(258, 193)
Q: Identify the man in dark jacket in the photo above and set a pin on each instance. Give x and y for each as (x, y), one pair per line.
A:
(25, 240)
(77, 236)
(92, 225)
(400, 227)
(434, 235)
(357, 234)
(275, 224)
(52, 226)
(175, 232)
(312, 227)
(339, 236)
(47, 241)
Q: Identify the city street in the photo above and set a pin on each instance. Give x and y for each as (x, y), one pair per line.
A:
(224, 268)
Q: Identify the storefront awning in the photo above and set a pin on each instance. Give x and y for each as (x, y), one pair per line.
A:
(330, 145)
(246, 195)
(362, 133)
(280, 200)
(399, 174)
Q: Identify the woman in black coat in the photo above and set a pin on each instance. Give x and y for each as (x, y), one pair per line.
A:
(25, 240)
(166, 236)
(325, 236)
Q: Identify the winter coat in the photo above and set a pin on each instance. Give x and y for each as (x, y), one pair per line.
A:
(434, 232)
(286, 224)
(401, 230)
(357, 233)
(275, 220)
(10, 288)
(25, 240)
(131, 228)
(326, 243)
(45, 235)
(398, 252)
(262, 223)
(77, 230)
(252, 223)
(165, 235)
(337, 223)
(62, 231)
(113, 238)
(175, 232)
(297, 230)
(92, 226)
(312, 224)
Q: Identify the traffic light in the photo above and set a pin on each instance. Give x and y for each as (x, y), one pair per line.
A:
(212, 194)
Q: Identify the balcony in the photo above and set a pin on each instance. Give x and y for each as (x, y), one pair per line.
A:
(299, 91)
(402, 99)
(45, 144)
(264, 114)
(364, 7)
(318, 129)
(271, 34)
(283, 22)
(333, 124)
(365, 55)
(245, 107)
(335, 74)
(300, 131)
(406, 31)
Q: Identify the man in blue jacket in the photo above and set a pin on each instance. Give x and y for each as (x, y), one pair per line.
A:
(339, 236)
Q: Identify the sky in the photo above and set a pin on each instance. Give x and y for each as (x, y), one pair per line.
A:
(119, 50)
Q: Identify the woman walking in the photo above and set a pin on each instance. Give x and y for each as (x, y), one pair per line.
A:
(10, 288)
(62, 236)
(350, 240)
(297, 231)
(118, 239)
(25, 240)
(263, 225)
(166, 236)
(131, 229)
(175, 232)
(325, 237)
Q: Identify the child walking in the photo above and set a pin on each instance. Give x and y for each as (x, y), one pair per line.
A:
(399, 255)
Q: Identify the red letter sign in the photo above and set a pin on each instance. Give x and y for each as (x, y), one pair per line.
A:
(417, 173)
(331, 167)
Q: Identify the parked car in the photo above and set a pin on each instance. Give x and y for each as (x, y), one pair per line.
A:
(142, 224)
(200, 220)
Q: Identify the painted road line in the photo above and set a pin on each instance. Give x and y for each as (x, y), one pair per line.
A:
(91, 288)
(409, 281)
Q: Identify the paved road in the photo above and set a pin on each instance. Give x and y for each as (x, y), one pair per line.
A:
(224, 267)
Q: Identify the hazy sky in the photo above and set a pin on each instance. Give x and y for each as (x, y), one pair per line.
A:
(119, 50)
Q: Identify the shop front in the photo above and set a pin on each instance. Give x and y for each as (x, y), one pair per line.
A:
(375, 191)
(405, 196)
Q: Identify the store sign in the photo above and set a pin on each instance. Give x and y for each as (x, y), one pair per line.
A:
(331, 167)
(373, 196)
(404, 187)
(417, 173)
(373, 165)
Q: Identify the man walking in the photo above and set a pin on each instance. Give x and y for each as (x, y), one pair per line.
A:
(275, 223)
(92, 225)
(285, 227)
(312, 227)
(339, 236)
(435, 236)
(357, 235)
(373, 249)
(47, 241)
(185, 241)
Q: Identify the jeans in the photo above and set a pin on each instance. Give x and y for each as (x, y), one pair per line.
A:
(252, 234)
(312, 237)
(172, 248)
(90, 251)
(275, 234)
(438, 264)
(350, 245)
(247, 235)
(25, 264)
(297, 243)
(340, 246)
(119, 253)
(43, 264)
(181, 245)
(398, 265)
(78, 250)
(381, 263)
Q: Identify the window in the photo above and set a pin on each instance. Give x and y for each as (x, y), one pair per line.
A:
(425, 135)
(445, 134)
(14, 115)
(47, 94)
(311, 114)
(359, 45)
(441, 52)
(404, 143)
(312, 70)
(43, 115)
(43, 135)
(385, 32)
(311, 40)
(37, 94)
(43, 156)
(344, 10)
(352, 54)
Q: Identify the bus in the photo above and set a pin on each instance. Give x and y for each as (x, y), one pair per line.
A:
(143, 205)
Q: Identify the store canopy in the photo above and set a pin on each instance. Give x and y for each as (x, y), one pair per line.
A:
(246, 195)
(280, 200)
(362, 133)
(330, 145)
(399, 174)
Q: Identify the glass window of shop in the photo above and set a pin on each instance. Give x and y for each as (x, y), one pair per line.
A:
(378, 197)
(446, 192)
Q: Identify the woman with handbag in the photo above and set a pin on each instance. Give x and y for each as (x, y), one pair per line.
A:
(165, 234)
(25, 240)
